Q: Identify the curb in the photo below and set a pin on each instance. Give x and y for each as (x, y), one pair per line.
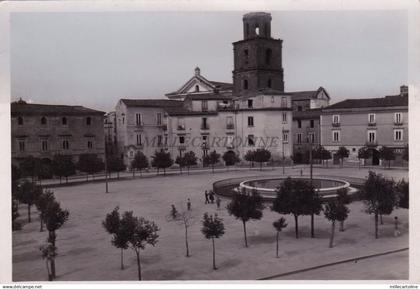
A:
(332, 264)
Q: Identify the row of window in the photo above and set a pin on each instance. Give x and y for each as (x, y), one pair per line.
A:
(139, 119)
(229, 122)
(398, 119)
(311, 123)
(371, 136)
(310, 138)
(283, 102)
(65, 145)
(139, 140)
(44, 120)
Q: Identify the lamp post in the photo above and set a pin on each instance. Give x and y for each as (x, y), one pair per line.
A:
(282, 148)
(310, 177)
(107, 126)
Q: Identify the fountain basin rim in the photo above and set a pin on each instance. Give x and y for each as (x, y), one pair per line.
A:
(345, 184)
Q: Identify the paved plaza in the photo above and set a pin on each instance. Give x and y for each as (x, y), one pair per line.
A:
(85, 251)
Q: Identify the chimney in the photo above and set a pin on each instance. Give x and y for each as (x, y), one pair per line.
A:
(403, 90)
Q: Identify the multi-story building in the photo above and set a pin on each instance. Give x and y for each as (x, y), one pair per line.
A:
(370, 122)
(306, 121)
(110, 132)
(41, 130)
(204, 115)
(142, 126)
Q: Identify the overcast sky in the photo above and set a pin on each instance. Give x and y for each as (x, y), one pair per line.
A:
(94, 59)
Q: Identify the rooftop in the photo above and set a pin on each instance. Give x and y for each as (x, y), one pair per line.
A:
(152, 102)
(22, 108)
(387, 101)
(305, 95)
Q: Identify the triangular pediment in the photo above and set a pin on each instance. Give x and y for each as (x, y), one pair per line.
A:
(196, 84)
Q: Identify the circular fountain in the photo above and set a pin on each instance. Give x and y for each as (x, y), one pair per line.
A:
(326, 187)
(267, 187)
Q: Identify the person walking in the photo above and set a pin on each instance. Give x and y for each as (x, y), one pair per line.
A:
(396, 230)
(218, 201)
(188, 204)
(211, 195)
(207, 197)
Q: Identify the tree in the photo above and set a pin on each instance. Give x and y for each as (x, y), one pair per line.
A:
(63, 166)
(250, 157)
(113, 226)
(90, 164)
(245, 206)
(140, 232)
(292, 198)
(139, 162)
(261, 156)
(230, 158)
(335, 211)
(180, 161)
(28, 193)
(405, 153)
(48, 252)
(187, 219)
(15, 214)
(364, 153)
(211, 159)
(343, 199)
(29, 166)
(387, 154)
(342, 153)
(314, 202)
(403, 194)
(213, 227)
(279, 225)
(379, 197)
(44, 169)
(162, 160)
(115, 164)
(54, 218)
(325, 155)
(16, 175)
(42, 203)
(190, 160)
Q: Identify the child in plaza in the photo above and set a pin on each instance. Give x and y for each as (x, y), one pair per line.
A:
(207, 197)
(396, 230)
(218, 202)
(211, 197)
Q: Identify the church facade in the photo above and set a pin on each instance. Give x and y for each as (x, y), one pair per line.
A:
(203, 116)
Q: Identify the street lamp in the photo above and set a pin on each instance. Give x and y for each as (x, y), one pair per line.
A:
(310, 140)
(282, 148)
(107, 126)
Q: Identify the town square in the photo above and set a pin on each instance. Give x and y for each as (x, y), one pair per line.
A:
(208, 178)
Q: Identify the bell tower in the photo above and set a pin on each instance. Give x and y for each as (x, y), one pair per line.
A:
(258, 57)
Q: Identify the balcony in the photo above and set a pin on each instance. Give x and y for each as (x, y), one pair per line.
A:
(372, 124)
(182, 147)
(398, 123)
(205, 146)
(372, 143)
(181, 127)
(335, 124)
(139, 124)
(223, 106)
(163, 126)
(230, 126)
(205, 127)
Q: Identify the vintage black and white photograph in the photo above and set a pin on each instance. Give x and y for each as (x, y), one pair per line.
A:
(209, 145)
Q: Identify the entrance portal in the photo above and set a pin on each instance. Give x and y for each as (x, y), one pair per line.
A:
(375, 157)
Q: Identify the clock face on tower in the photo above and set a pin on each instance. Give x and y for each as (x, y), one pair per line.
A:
(258, 57)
